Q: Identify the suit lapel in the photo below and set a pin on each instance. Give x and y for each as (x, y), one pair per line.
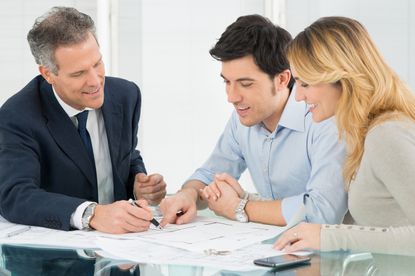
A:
(112, 112)
(65, 134)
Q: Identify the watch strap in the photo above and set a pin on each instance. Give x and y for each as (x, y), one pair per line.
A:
(87, 216)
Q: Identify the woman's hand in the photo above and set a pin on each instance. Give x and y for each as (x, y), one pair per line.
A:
(302, 236)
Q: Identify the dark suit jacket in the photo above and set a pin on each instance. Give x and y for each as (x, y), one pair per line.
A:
(45, 172)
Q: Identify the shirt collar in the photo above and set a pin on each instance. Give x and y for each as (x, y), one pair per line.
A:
(293, 115)
(70, 111)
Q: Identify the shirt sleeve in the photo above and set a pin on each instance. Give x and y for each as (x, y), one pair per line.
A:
(76, 217)
(384, 240)
(325, 199)
(226, 156)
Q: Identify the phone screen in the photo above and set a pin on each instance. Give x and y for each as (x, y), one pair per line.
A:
(282, 261)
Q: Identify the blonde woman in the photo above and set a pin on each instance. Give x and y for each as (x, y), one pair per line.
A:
(339, 71)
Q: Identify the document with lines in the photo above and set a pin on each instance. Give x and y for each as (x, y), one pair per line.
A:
(207, 233)
(145, 252)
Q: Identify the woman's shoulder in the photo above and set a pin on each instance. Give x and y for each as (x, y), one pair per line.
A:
(393, 129)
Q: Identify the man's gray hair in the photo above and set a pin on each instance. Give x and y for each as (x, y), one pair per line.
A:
(61, 26)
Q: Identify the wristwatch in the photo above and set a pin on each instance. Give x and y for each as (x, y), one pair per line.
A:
(240, 214)
(87, 216)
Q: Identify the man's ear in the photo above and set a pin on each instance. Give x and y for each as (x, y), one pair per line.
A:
(46, 74)
(282, 79)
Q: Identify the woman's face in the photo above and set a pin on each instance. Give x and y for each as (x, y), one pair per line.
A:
(321, 98)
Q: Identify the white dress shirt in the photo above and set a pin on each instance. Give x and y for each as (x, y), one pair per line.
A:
(98, 134)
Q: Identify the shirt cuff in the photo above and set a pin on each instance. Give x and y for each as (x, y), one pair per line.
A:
(76, 217)
(290, 206)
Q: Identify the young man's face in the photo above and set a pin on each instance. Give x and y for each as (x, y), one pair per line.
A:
(252, 92)
(81, 74)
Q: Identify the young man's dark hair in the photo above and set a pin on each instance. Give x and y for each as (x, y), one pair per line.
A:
(257, 36)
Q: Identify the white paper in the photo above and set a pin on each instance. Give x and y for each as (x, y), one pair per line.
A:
(207, 233)
(11, 233)
(144, 252)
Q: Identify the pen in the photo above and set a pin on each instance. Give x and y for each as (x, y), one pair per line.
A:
(17, 232)
(153, 220)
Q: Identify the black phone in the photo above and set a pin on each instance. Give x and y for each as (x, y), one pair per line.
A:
(282, 261)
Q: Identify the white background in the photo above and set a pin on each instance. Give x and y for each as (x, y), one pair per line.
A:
(163, 46)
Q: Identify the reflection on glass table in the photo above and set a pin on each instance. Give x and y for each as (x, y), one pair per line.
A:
(23, 260)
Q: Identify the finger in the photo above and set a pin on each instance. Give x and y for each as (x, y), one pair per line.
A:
(287, 238)
(148, 188)
(204, 193)
(169, 212)
(212, 195)
(156, 178)
(157, 196)
(296, 246)
(214, 188)
(224, 177)
(230, 180)
(169, 218)
(134, 224)
(143, 203)
(187, 216)
(140, 213)
(141, 177)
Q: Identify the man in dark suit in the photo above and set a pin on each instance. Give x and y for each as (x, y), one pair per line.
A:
(68, 157)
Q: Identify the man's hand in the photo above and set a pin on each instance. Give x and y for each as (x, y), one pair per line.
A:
(182, 203)
(212, 191)
(150, 187)
(224, 205)
(230, 180)
(121, 217)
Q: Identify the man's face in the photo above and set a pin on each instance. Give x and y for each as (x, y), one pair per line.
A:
(252, 92)
(81, 74)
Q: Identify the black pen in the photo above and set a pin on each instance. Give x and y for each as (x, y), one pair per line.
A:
(153, 220)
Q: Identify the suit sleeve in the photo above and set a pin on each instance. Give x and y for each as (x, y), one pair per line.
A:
(137, 164)
(22, 200)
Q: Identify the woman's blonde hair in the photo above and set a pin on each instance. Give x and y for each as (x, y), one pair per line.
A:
(340, 50)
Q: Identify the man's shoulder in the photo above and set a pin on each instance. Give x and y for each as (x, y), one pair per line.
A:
(27, 100)
(114, 83)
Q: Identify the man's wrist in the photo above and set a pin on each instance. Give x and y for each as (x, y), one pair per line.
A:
(239, 212)
(189, 192)
(88, 215)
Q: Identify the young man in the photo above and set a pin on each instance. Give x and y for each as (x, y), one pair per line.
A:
(293, 162)
(68, 139)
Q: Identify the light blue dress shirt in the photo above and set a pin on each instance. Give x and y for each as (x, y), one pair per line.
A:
(299, 163)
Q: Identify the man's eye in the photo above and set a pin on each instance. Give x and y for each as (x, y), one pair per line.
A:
(246, 84)
(98, 64)
(78, 74)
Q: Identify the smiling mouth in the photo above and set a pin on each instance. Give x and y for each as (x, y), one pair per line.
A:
(312, 106)
(242, 108)
(92, 92)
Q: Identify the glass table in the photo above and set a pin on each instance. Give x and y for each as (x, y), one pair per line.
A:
(26, 260)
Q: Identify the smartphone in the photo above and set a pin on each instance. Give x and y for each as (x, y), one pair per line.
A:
(282, 261)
